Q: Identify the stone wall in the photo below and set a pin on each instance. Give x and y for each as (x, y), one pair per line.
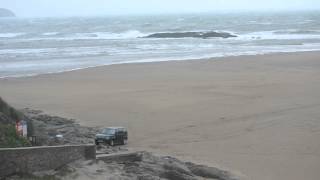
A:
(32, 159)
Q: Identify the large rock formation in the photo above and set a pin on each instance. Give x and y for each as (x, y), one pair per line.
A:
(136, 165)
(146, 166)
(6, 13)
(47, 127)
(203, 35)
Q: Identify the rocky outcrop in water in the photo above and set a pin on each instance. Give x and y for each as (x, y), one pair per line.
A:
(203, 35)
(6, 13)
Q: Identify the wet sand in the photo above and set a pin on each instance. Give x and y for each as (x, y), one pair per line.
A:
(256, 115)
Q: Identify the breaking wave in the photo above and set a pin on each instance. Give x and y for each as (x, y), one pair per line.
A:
(10, 35)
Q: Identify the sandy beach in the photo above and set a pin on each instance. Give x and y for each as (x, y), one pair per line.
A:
(254, 115)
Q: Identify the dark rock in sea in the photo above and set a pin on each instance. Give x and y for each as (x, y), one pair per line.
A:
(203, 35)
(6, 13)
(217, 34)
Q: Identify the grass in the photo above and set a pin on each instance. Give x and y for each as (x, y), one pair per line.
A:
(9, 137)
(9, 112)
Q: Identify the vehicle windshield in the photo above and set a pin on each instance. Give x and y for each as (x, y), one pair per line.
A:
(108, 131)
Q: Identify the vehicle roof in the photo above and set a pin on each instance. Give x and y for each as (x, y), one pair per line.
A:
(115, 128)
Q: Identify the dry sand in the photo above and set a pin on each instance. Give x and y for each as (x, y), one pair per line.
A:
(259, 115)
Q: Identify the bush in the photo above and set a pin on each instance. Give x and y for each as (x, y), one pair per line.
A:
(9, 137)
(10, 112)
(8, 118)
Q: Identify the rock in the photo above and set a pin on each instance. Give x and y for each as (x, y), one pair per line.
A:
(146, 166)
(6, 13)
(175, 175)
(203, 35)
(209, 172)
(47, 127)
(216, 34)
(115, 162)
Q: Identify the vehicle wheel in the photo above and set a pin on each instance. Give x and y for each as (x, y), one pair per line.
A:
(111, 143)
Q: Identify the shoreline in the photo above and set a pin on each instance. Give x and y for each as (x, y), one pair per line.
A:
(257, 115)
(155, 61)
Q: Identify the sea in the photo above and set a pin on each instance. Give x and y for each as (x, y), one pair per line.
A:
(33, 46)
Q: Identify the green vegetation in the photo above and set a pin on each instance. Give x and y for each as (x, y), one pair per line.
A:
(8, 114)
(8, 135)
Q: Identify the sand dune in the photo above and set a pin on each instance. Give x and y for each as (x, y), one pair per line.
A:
(256, 115)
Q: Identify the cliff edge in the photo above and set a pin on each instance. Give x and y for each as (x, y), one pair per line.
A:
(6, 13)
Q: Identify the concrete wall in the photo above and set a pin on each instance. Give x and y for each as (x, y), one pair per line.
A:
(32, 159)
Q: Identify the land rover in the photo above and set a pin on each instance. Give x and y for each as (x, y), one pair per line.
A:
(112, 136)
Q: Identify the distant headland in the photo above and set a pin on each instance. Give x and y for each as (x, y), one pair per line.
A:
(6, 13)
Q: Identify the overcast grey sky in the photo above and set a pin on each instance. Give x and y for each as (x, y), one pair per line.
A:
(34, 8)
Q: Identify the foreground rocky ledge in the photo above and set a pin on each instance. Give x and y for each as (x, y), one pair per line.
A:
(132, 166)
(146, 166)
(115, 163)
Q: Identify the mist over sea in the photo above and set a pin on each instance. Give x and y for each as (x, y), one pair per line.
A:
(31, 46)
